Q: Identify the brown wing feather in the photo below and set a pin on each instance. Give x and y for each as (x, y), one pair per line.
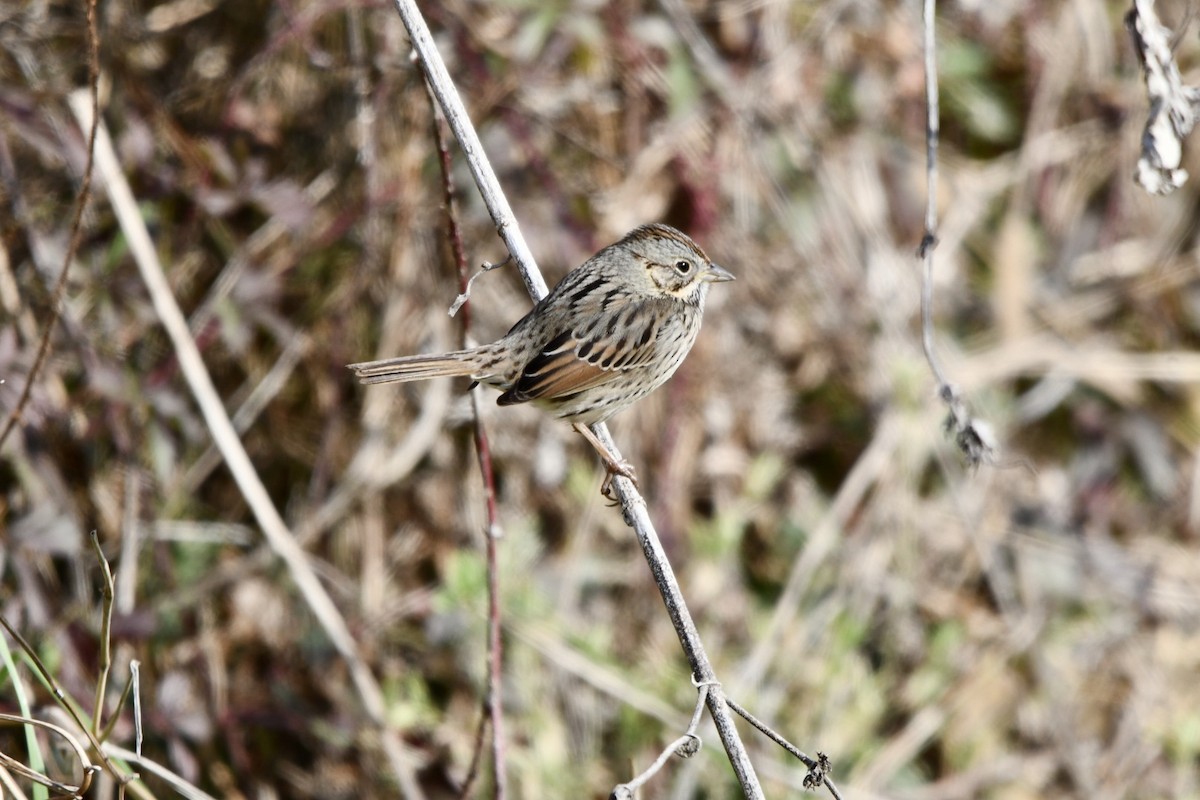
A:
(575, 361)
(557, 371)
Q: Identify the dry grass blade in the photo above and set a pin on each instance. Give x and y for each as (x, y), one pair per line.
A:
(78, 750)
(229, 444)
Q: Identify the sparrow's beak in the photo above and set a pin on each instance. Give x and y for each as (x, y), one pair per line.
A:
(717, 274)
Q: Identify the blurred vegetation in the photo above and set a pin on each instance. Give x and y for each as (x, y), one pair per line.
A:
(1020, 631)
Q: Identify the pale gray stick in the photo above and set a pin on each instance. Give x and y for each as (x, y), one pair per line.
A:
(175, 781)
(638, 518)
(632, 504)
(226, 438)
(464, 132)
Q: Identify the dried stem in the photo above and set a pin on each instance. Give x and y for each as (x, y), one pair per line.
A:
(685, 746)
(973, 437)
(632, 504)
(476, 755)
(464, 133)
(105, 638)
(81, 201)
(87, 768)
(494, 697)
(226, 438)
(66, 703)
(176, 782)
(818, 768)
(493, 700)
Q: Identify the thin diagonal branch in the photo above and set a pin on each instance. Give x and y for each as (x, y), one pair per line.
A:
(818, 768)
(81, 201)
(632, 504)
(464, 133)
(637, 517)
(225, 436)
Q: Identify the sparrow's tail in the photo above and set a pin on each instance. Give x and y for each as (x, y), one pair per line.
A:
(419, 368)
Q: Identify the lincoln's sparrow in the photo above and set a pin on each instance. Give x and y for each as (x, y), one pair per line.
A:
(612, 331)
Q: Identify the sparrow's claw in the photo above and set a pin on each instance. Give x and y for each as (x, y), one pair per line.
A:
(612, 469)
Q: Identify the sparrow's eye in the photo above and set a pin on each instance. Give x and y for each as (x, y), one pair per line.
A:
(683, 267)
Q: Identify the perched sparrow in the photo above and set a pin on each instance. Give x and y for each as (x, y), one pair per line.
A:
(612, 331)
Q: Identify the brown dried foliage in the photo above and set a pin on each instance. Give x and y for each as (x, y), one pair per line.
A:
(1021, 631)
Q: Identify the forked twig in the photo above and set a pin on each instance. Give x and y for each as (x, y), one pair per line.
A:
(685, 746)
(632, 504)
(818, 768)
(89, 769)
(98, 731)
(973, 436)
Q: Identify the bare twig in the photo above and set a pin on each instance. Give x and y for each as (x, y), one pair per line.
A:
(176, 782)
(632, 504)
(88, 769)
(465, 291)
(494, 698)
(105, 638)
(1174, 106)
(81, 201)
(66, 703)
(476, 755)
(200, 382)
(818, 768)
(135, 688)
(685, 746)
(460, 123)
(973, 437)
(100, 729)
(493, 701)
(638, 518)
